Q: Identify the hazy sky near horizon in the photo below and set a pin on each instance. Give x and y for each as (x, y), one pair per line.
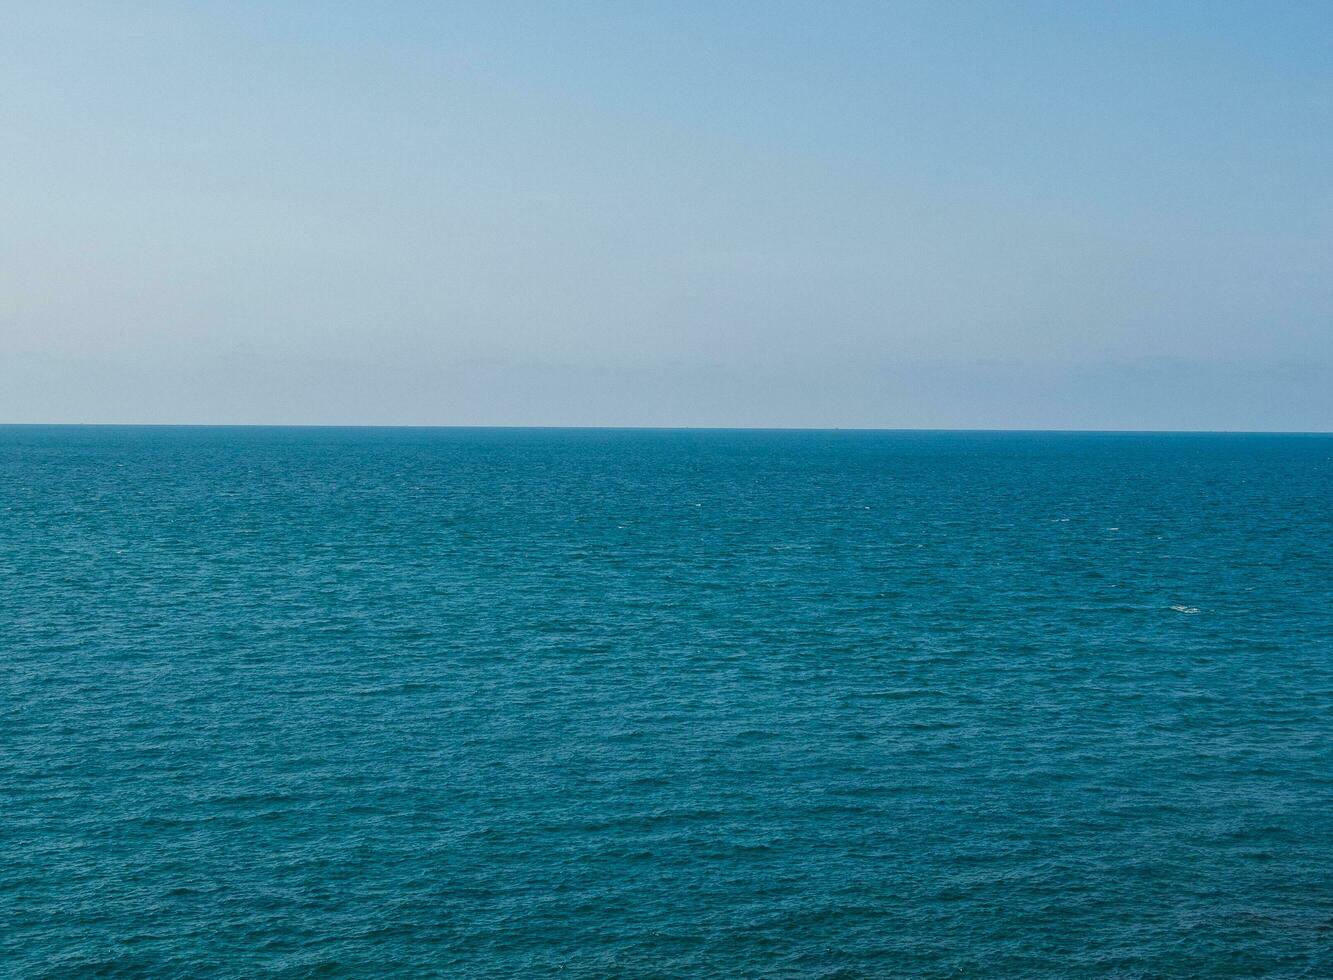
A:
(1070, 215)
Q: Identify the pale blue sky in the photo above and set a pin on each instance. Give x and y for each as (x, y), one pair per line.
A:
(1067, 215)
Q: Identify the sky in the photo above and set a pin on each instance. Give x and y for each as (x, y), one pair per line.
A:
(883, 214)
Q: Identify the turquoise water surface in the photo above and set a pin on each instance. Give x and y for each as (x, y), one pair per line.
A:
(517, 703)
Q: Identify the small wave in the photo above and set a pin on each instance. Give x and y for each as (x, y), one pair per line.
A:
(1187, 610)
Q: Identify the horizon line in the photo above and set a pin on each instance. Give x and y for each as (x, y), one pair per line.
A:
(662, 428)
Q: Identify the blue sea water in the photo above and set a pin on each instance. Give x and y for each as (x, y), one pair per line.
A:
(517, 703)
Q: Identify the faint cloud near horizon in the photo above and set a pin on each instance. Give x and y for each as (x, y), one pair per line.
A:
(246, 388)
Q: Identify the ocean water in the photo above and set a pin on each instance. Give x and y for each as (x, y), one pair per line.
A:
(519, 703)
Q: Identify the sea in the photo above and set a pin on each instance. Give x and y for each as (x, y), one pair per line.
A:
(414, 702)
